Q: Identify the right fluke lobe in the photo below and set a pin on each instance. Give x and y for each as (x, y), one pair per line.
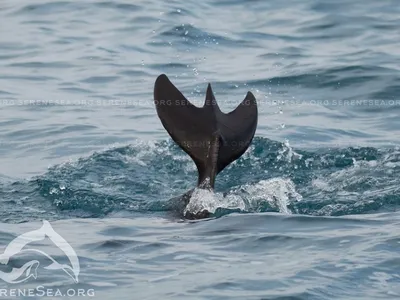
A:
(210, 137)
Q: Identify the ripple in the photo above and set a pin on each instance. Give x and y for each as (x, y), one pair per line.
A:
(29, 77)
(47, 8)
(387, 93)
(123, 7)
(112, 245)
(42, 65)
(100, 79)
(191, 35)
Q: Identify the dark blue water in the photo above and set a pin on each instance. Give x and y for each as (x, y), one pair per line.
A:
(311, 210)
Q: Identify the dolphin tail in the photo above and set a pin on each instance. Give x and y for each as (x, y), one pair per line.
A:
(210, 137)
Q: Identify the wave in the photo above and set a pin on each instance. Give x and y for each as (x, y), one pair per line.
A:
(269, 177)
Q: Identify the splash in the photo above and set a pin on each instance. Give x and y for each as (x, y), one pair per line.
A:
(287, 153)
(207, 200)
(269, 177)
(275, 194)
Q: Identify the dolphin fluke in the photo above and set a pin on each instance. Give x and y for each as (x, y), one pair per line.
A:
(210, 137)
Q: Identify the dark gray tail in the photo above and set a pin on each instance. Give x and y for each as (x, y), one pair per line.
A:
(212, 138)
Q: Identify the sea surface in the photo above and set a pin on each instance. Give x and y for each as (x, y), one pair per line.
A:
(310, 211)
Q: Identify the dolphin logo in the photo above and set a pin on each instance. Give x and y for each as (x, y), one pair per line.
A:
(210, 137)
(29, 269)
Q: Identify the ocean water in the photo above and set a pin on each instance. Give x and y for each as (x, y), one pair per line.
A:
(311, 210)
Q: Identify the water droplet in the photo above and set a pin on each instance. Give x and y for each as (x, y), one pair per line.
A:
(236, 86)
(186, 32)
(283, 125)
(178, 10)
(195, 72)
(154, 31)
(142, 62)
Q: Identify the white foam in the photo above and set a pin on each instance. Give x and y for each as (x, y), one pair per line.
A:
(278, 192)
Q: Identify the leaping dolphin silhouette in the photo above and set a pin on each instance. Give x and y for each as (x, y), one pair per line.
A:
(210, 137)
